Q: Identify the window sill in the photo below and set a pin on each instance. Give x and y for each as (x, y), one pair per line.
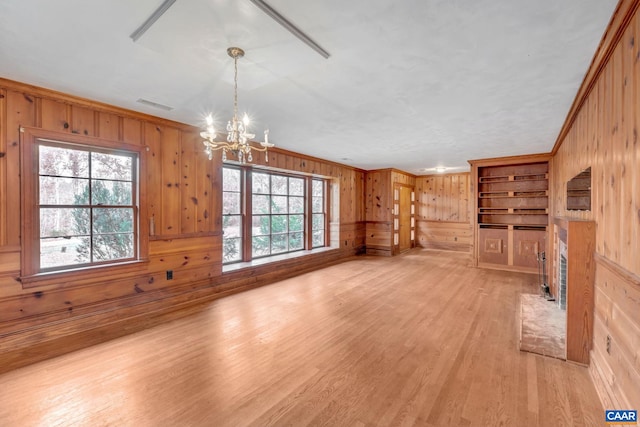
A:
(91, 273)
(231, 268)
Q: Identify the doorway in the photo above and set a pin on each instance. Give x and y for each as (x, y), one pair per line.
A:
(403, 222)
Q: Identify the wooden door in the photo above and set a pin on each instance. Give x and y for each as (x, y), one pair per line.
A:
(404, 217)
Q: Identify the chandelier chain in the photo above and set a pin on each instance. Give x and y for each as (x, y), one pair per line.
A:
(235, 87)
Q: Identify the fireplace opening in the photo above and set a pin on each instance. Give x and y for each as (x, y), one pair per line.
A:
(562, 276)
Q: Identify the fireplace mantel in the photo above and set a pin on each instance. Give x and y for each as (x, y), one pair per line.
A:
(579, 238)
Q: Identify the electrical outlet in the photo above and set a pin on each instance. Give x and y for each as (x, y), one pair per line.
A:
(169, 274)
(608, 344)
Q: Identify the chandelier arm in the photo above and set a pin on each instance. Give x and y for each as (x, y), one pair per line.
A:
(259, 148)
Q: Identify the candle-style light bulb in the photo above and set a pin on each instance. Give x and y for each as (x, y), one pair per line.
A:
(245, 120)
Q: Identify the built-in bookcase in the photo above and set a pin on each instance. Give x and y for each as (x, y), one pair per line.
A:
(511, 211)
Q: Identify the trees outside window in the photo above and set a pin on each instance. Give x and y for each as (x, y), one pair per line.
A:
(319, 218)
(231, 215)
(87, 204)
(283, 210)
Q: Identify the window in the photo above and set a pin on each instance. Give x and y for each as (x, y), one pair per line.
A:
(286, 213)
(81, 204)
(319, 218)
(277, 221)
(231, 215)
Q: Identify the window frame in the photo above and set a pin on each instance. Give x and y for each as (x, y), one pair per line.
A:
(246, 200)
(31, 272)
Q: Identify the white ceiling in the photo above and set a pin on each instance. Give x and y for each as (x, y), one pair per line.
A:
(410, 84)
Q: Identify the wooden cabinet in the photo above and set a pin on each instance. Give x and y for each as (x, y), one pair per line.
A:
(511, 211)
(573, 282)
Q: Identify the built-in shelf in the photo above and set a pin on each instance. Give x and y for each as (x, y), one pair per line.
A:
(512, 212)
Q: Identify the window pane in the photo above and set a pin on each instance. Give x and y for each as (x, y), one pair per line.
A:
(260, 246)
(112, 246)
(64, 222)
(231, 226)
(64, 191)
(57, 252)
(63, 162)
(318, 238)
(278, 184)
(317, 203)
(296, 186)
(112, 220)
(231, 249)
(260, 225)
(71, 175)
(295, 241)
(279, 224)
(230, 179)
(278, 243)
(296, 205)
(318, 222)
(111, 166)
(260, 204)
(296, 222)
(279, 204)
(317, 188)
(230, 203)
(260, 183)
(111, 193)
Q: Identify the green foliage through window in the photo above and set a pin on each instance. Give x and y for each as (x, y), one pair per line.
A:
(87, 206)
(278, 217)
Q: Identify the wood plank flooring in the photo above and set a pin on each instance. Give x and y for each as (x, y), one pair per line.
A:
(419, 339)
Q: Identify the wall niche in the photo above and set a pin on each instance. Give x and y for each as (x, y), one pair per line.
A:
(579, 191)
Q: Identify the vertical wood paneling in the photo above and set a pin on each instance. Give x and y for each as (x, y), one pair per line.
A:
(379, 196)
(109, 126)
(188, 188)
(604, 136)
(443, 197)
(629, 105)
(206, 180)
(83, 121)
(171, 219)
(3, 169)
(54, 115)
(442, 211)
(154, 178)
(132, 131)
(21, 111)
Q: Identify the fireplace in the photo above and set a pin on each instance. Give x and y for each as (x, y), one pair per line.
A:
(562, 275)
(574, 271)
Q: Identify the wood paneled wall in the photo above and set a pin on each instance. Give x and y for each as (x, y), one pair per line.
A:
(602, 133)
(379, 207)
(442, 211)
(183, 204)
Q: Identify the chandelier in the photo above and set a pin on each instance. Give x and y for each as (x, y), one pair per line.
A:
(238, 136)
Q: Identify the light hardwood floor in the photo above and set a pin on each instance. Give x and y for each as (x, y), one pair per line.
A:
(419, 339)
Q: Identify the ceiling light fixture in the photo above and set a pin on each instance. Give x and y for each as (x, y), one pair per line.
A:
(441, 169)
(238, 136)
